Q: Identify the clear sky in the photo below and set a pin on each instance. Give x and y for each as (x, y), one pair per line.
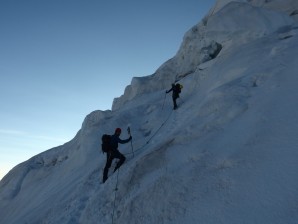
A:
(62, 59)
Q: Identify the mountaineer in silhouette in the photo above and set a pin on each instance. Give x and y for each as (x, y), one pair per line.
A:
(110, 146)
(176, 89)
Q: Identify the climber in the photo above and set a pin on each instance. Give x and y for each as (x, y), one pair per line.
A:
(176, 90)
(113, 153)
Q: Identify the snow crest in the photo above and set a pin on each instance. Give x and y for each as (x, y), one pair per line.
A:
(203, 42)
(227, 155)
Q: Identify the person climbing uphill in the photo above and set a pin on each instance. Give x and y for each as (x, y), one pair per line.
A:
(175, 95)
(113, 152)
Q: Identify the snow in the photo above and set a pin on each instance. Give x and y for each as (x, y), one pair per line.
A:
(228, 154)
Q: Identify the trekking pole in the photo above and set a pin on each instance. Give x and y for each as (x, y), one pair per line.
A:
(128, 130)
(164, 100)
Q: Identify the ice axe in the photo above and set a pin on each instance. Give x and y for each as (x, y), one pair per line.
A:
(128, 130)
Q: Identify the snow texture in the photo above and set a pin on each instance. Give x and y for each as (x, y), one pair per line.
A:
(227, 155)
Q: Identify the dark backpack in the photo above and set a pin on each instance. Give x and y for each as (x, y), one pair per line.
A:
(106, 143)
(178, 87)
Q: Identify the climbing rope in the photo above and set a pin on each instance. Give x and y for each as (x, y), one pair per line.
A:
(166, 118)
(116, 188)
(114, 203)
(164, 101)
(153, 134)
(133, 151)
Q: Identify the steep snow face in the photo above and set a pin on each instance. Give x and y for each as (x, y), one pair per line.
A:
(220, 29)
(227, 155)
(253, 20)
(220, 4)
(287, 6)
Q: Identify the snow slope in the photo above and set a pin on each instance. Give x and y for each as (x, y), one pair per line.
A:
(227, 155)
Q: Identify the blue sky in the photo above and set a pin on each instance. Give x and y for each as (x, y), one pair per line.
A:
(62, 59)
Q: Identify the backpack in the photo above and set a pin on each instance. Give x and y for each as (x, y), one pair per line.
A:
(178, 87)
(106, 143)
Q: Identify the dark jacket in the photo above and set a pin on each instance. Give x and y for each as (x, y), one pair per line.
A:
(115, 140)
(175, 90)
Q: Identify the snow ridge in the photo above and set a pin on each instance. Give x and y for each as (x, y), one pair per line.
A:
(227, 155)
